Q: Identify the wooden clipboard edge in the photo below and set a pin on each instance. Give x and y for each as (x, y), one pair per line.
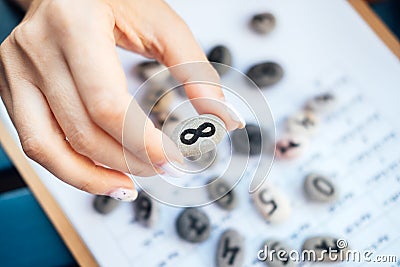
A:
(376, 24)
(53, 211)
(63, 226)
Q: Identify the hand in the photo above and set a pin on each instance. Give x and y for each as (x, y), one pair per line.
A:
(65, 91)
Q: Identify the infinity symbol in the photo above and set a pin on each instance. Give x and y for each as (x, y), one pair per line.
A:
(197, 133)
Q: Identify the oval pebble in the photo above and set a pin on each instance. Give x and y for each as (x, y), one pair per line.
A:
(304, 122)
(105, 204)
(147, 69)
(193, 225)
(319, 188)
(220, 54)
(321, 245)
(230, 252)
(219, 187)
(271, 203)
(263, 23)
(280, 248)
(198, 135)
(322, 103)
(248, 140)
(265, 74)
(145, 209)
(291, 146)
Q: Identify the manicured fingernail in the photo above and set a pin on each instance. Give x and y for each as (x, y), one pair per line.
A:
(172, 169)
(123, 194)
(235, 115)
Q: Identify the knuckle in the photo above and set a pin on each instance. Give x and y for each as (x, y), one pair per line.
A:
(81, 141)
(103, 109)
(33, 148)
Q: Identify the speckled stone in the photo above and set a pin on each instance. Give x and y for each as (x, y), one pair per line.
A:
(319, 188)
(283, 260)
(271, 203)
(220, 187)
(253, 144)
(291, 146)
(322, 103)
(198, 135)
(304, 122)
(105, 204)
(220, 54)
(323, 244)
(146, 210)
(193, 225)
(147, 69)
(263, 23)
(265, 74)
(231, 249)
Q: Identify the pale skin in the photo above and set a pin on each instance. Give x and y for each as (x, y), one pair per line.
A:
(66, 93)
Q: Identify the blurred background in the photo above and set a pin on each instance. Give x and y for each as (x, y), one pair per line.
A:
(36, 235)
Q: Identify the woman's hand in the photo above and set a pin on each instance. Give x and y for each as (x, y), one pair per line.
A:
(65, 91)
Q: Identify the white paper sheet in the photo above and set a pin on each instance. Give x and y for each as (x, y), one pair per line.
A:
(320, 44)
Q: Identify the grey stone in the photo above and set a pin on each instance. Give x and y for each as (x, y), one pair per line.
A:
(271, 203)
(147, 69)
(198, 135)
(248, 140)
(220, 54)
(304, 122)
(281, 249)
(263, 23)
(145, 209)
(193, 225)
(219, 187)
(319, 188)
(322, 103)
(321, 245)
(105, 204)
(231, 249)
(291, 146)
(265, 74)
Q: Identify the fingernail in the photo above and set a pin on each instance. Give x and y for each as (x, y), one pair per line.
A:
(172, 169)
(235, 115)
(123, 194)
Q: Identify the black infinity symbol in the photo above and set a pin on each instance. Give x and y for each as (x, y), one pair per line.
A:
(197, 133)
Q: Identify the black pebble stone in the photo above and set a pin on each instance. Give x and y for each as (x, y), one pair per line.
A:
(265, 74)
(105, 204)
(263, 23)
(254, 144)
(220, 54)
(193, 225)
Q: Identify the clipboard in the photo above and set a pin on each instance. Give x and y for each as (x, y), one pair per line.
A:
(62, 224)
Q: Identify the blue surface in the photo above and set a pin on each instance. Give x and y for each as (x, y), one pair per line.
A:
(27, 236)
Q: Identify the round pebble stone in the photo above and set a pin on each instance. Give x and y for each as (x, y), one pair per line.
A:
(271, 203)
(145, 209)
(265, 74)
(304, 122)
(105, 204)
(321, 245)
(193, 225)
(220, 54)
(322, 103)
(319, 188)
(291, 146)
(230, 252)
(219, 187)
(198, 135)
(253, 145)
(147, 69)
(263, 23)
(279, 248)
